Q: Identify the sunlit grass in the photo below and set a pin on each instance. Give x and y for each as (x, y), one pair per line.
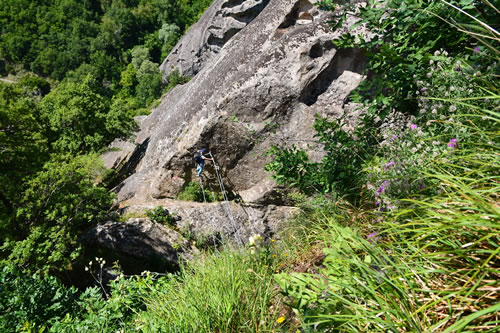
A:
(226, 291)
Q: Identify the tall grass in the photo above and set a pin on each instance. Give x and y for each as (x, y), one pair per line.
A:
(433, 266)
(227, 291)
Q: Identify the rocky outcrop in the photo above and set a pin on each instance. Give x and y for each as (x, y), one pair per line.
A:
(262, 86)
(221, 22)
(209, 224)
(138, 244)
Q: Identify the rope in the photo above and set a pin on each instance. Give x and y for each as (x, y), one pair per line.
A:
(226, 200)
(202, 191)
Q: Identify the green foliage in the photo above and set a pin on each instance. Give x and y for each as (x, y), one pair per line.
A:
(96, 313)
(240, 292)
(174, 79)
(338, 171)
(160, 215)
(192, 11)
(193, 192)
(71, 38)
(406, 33)
(59, 202)
(169, 35)
(139, 55)
(128, 80)
(80, 118)
(22, 145)
(32, 301)
(292, 166)
(149, 81)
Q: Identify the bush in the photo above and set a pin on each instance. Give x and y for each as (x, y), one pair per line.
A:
(32, 302)
(160, 215)
(59, 202)
(174, 79)
(193, 192)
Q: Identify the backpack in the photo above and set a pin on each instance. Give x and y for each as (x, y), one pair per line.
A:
(197, 157)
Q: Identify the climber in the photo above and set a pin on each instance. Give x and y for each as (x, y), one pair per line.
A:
(200, 159)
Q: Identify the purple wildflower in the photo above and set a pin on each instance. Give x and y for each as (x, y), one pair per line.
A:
(458, 69)
(453, 143)
(477, 49)
(394, 137)
(379, 219)
(388, 165)
(413, 126)
(381, 189)
(423, 89)
(373, 234)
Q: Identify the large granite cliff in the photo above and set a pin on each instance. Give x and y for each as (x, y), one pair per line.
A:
(261, 70)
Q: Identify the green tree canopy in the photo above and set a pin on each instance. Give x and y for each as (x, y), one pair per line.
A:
(80, 119)
(58, 203)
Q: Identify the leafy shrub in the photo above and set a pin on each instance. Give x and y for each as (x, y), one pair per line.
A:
(338, 171)
(32, 301)
(193, 192)
(160, 215)
(174, 79)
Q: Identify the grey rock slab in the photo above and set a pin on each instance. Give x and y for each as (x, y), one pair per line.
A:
(262, 87)
(218, 24)
(118, 151)
(211, 223)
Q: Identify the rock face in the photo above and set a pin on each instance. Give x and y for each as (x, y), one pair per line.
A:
(261, 70)
(219, 23)
(262, 86)
(138, 244)
(210, 223)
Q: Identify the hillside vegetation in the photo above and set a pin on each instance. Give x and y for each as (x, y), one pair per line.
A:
(399, 223)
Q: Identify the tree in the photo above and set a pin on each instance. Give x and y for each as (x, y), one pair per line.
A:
(149, 82)
(22, 144)
(139, 55)
(58, 203)
(169, 34)
(129, 80)
(77, 118)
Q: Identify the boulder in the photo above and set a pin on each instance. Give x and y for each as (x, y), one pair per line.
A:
(138, 244)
